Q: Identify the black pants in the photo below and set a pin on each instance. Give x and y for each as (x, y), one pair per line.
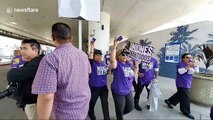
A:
(123, 104)
(103, 93)
(134, 84)
(182, 97)
(139, 90)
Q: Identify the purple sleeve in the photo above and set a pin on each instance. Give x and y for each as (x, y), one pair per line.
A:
(14, 63)
(180, 65)
(46, 77)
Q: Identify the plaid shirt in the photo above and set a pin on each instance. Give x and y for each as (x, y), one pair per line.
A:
(65, 72)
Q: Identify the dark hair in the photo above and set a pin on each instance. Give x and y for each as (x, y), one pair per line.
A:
(33, 43)
(61, 31)
(97, 52)
(184, 55)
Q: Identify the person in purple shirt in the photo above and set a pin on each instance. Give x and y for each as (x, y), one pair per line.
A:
(17, 61)
(122, 81)
(98, 83)
(146, 73)
(61, 81)
(185, 69)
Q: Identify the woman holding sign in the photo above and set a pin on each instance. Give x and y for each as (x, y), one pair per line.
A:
(122, 81)
(98, 83)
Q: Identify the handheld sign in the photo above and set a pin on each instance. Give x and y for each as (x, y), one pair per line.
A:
(119, 38)
(140, 53)
(93, 40)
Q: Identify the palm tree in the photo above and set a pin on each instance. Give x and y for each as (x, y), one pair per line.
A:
(182, 35)
(145, 42)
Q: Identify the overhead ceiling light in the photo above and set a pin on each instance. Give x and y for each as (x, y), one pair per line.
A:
(14, 23)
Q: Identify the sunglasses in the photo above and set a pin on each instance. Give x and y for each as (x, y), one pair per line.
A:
(188, 57)
(124, 54)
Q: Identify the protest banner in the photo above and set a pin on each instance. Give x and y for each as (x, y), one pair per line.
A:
(140, 53)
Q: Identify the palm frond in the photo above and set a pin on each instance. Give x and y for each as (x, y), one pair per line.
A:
(145, 42)
(182, 34)
(207, 55)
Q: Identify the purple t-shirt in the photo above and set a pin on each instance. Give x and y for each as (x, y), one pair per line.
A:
(123, 77)
(107, 59)
(98, 77)
(17, 62)
(148, 69)
(211, 113)
(183, 80)
(65, 73)
(131, 63)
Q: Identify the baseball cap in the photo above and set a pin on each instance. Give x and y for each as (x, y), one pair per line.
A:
(124, 52)
(97, 52)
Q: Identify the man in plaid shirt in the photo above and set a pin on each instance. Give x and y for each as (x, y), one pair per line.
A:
(61, 81)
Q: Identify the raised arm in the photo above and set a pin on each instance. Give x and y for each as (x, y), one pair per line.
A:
(113, 60)
(91, 52)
